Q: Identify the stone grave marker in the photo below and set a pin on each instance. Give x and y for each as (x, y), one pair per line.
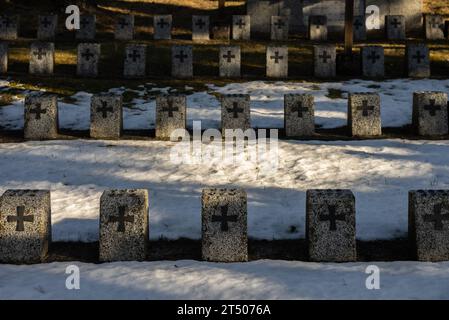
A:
(47, 28)
(430, 113)
(395, 27)
(135, 61)
(279, 28)
(87, 30)
(230, 60)
(359, 28)
(200, 28)
(318, 28)
(162, 25)
(364, 114)
(434, 27)
(3, 57)
(241, 27)
(277, 62)
(9, 27)
(124, 225)
(373, 62)
(25, 226)
(42, 58)
(330, 226)
(224, 225)
(124, 28)
(429, 224)
(235, 112)
(41, 117)
(106, 116)
(182, 61)
(418, 60)
(325, 57)
(299, 115)
(171, 114)
(88, 59)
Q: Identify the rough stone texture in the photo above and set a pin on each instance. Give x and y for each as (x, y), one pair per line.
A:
(373, 62)
(124, 28)
(200, 28)
(106, 116)
(3, 57)
(325, 57)
(48, 25)
(418, 60)
(429, 224)
(41, 117)
(430, 113)
(162, 25)
(241, 27)
(42, 58)
(224, 225)
(9, 27)
(299, 115)
(395, 27)
(433, 27)
(230, 61)
(87, 30)
(330, 225)
(277, 62)
(364, 114)
(88, 58)
(25, 226)
(318, 28)
(124, 225)
(235, 112)
(182, 61)
(171, 114)
(135, 61)
(359, 28)
(279, 28)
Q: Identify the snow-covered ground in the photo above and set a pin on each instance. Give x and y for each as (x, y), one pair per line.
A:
(200, 280)
(380, 173)
(266, 103)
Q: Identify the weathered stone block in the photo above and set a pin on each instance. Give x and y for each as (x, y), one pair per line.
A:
(48, 25)
(124, 28)
(162, 25)
(299, 115)
(9, 27)
(87, 30)
(364, 114)
(318, 28)
(241, 27)
(135, 61)
(279, 28)
(434, 27)
(277, 62)
(373, 62)
(106, 116)
(230, 60)
(42, 58)
(171, 114)
(41, 117)
(200, 28)
(235, 112)
(430, 113)
(330, 225)
(88, 59)
(224, 225)
(182, 61)
(325, 57)
(418, 60)
(359, 28)
(395, 27)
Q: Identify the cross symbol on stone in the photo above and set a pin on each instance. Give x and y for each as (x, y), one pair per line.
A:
(276, 57)
(39, 53)
(162, 23)
(300, 109)
(358, 24)
(121, 219)
(170, 109)
(332, 217)
(229, 56)
(87, 54)
(38, 111)
(123, 23)
(104, 109)
(396, 23)
(200, 23)
(235, 110)
(181, 56)
(280, 24)
(325, 56)
(84, 22)
(432, 108)
(373, 56)
(134, 55)
(365, 108)
(419, 56)
(20, 218)
(45, 22)
(437, 218)
(6, 21)
(224, 218)
(240, 24)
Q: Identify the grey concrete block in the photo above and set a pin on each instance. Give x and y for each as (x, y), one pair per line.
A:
(430, 113)
(359, 28)
(162, 25)
(373, 62)
(124, 28)
(299, 115)
(88, 59)
(41, 117)
(48, 25)
(279, 28)
(135, 61)
(200, 28)
(277, 62)
(182, 61)
(42, 58)
(235, 112)
(395, 27)
(171, 114)
(106, 116)
(88, 29)
(9, 27)
(418, 60)
(325, 61)
(230, 61)
(241, 27)
(364, 117)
